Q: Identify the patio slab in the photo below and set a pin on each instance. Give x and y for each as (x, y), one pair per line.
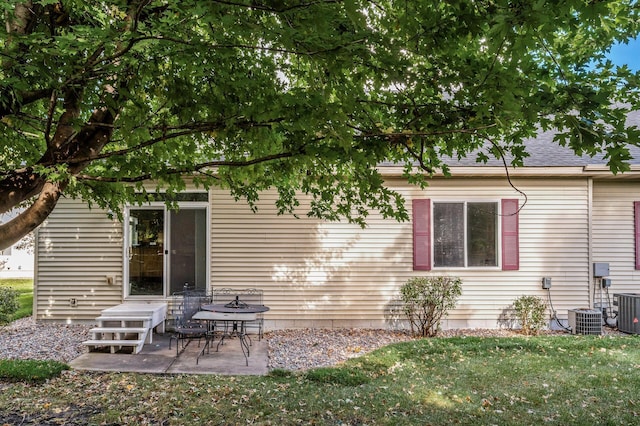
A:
(159, 359)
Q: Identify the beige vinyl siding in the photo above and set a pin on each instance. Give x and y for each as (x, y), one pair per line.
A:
(323, 274)
(316, 273)
(553, 230)
(77, 248)
(613, 233)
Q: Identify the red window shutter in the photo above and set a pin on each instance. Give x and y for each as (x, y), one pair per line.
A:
(636, 231)
(422, 235)
(510, 239)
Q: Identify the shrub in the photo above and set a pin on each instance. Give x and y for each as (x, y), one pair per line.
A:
(8, 304)
(426, 300)
(530, 313)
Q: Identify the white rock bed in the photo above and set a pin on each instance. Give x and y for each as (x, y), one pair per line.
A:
(296, 349)
(26, 339)
(301, 349)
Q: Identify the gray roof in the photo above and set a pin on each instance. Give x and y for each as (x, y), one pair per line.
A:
(544, 152)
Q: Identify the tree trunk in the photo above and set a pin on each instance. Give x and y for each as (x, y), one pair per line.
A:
(22, 186)
(11, 232)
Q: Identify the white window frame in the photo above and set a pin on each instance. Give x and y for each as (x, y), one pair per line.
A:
(498, 233)
(206, 205)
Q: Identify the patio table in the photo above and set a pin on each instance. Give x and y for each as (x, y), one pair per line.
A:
(235, 306)
(235, 312)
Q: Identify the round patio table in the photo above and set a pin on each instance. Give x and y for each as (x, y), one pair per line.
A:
(238, 313)
(236, 306)
(245, 309)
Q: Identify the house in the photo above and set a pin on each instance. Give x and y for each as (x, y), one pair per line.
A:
(15, 261)
(554, 218)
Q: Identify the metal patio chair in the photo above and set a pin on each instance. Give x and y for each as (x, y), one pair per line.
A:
(186, 304)
(254, 296)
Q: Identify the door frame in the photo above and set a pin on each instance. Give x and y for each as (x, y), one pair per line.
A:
(167, 248)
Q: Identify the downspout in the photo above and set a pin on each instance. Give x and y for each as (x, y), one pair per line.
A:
(590, 239)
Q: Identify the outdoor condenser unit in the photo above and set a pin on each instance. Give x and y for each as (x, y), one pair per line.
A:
(585, 321)
(628, 311)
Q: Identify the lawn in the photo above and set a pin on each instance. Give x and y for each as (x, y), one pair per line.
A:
(508, 381)
(24, 286)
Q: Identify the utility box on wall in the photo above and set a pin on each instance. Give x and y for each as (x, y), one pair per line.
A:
(600, 269)
(628, 311)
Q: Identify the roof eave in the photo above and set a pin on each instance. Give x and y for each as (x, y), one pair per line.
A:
(598, 171)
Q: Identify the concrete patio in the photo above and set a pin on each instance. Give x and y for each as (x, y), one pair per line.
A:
(159, 359)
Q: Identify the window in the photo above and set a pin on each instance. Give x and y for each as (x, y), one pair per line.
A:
(465, 234)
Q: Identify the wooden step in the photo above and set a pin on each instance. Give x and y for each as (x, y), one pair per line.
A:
(124, 318)
(137, 344)
(118, 329)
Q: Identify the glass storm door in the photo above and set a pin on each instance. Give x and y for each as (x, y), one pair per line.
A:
(166, 250)
(146, 252)
(188, 249)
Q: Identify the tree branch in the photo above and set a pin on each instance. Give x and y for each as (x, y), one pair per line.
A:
(266, 8)
(50, 111)
(195, 168)
(12, 231)
(408, 134)
(20, 99)
(182, 130)
(20, 185)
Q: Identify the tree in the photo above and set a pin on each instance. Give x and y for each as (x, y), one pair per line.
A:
(306, 96)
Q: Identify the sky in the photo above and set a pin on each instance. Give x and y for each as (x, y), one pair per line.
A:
(627, 54)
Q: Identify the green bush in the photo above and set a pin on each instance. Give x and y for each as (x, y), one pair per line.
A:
(530, 313)
(426, 300)
(24, 287)
(8, 304)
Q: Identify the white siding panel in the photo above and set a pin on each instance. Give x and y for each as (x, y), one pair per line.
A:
(316, 273)
(613, 234)
(77, 249)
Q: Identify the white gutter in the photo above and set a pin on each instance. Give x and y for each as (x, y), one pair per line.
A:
(495, 171)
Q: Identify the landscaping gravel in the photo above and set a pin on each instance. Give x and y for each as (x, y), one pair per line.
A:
(297, 349)
(302, 349)
(26, 339)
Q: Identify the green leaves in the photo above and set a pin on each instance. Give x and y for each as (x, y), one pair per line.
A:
(304, 96)
(530, 312)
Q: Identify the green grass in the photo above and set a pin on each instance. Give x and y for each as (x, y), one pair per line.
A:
(508, 381)
(24, 286)
(30, 370)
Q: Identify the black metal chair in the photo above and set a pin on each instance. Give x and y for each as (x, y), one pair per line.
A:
(186, 304)
(254, 296)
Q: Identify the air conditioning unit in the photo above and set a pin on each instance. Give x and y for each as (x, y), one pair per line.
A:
(585, 321)
(628, 312)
